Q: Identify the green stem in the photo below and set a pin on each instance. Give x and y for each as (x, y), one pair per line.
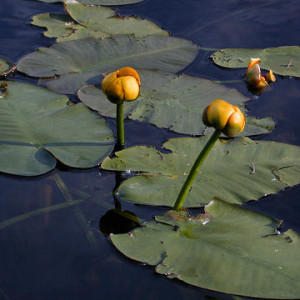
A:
(195, 169)
(120, 125)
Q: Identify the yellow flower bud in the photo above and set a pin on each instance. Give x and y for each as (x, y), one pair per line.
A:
(122, 85)
(254, 77)
(225, 117)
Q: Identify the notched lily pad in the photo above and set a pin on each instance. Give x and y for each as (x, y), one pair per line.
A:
(238, 170)
(228, 249)
(174, 102)
(85, 21)
(37, 128)
(281, 60)
(73, 64)
(58, 26)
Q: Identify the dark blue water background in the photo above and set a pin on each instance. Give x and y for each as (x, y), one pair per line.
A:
(62, 254)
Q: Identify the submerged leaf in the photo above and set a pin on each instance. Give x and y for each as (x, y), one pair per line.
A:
(174, 102)
(93, 21)
(238, 170)
(80, 62)
(282, 60)
(37, 127)
(99, 2)
(228, 249)
(6, 67)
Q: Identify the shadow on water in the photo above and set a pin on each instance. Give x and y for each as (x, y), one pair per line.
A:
(51, 244)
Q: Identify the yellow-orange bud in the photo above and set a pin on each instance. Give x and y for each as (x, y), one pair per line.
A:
(225, 117)
(122, 85)
(254, 77)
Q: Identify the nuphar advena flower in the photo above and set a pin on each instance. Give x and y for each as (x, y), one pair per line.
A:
(224, 117)
(254, 77)
(122, 85)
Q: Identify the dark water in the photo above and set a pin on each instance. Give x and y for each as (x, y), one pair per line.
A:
(62, 254)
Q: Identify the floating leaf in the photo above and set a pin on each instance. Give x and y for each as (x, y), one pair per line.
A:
(282, 60)
(93, 21)
(238, 170)
(228, 249)
(80, 62)
(58, 26)
(6, 67)
(37, 127)
(98, 2)
(173, 102)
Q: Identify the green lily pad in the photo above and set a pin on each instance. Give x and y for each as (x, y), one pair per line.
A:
(281, 60)
(80, 62)
(6, 67)
(93, 21)
(38, 128)
(238, 170)
(98, 2)
(173, 102)
(58, 26)
(228, 249)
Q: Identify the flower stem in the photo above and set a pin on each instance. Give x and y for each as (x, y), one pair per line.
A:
(195, 169)
(120, 125)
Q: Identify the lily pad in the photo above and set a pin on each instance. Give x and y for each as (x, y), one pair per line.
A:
(281, 60)
(99, 2)
(93, 21)
(228, 249)
(174, 102)
(6, 67)
(238, 170)
(73, 64)
(38, 128)
(58, 26)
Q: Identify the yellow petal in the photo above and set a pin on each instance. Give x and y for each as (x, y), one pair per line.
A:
(262, 83)
(270, 77)
(253, 75)
(127, 71)
(115, 92)
(108, 80)
(130, 87)
(252, 62)
(235, 124)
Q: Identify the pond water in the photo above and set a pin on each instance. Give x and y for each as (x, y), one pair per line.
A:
(62, 253)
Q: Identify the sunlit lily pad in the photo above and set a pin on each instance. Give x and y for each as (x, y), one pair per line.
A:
(80, 62)
(58, 26)
(173, 102)
(37, 128)
(228, 249)
(99, 2)
(282, 60)
(6, 67)
(93, 21)
(238, 170)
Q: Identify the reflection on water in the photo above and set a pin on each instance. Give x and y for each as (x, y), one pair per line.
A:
(51, 245)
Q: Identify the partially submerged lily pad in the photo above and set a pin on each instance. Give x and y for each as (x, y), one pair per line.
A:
(6, 67)
(281, 60)
(238, 170)
(99, 2)
(73, 64)
(173, 102)
(93, 21)
(228, 249)
(38, 128)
